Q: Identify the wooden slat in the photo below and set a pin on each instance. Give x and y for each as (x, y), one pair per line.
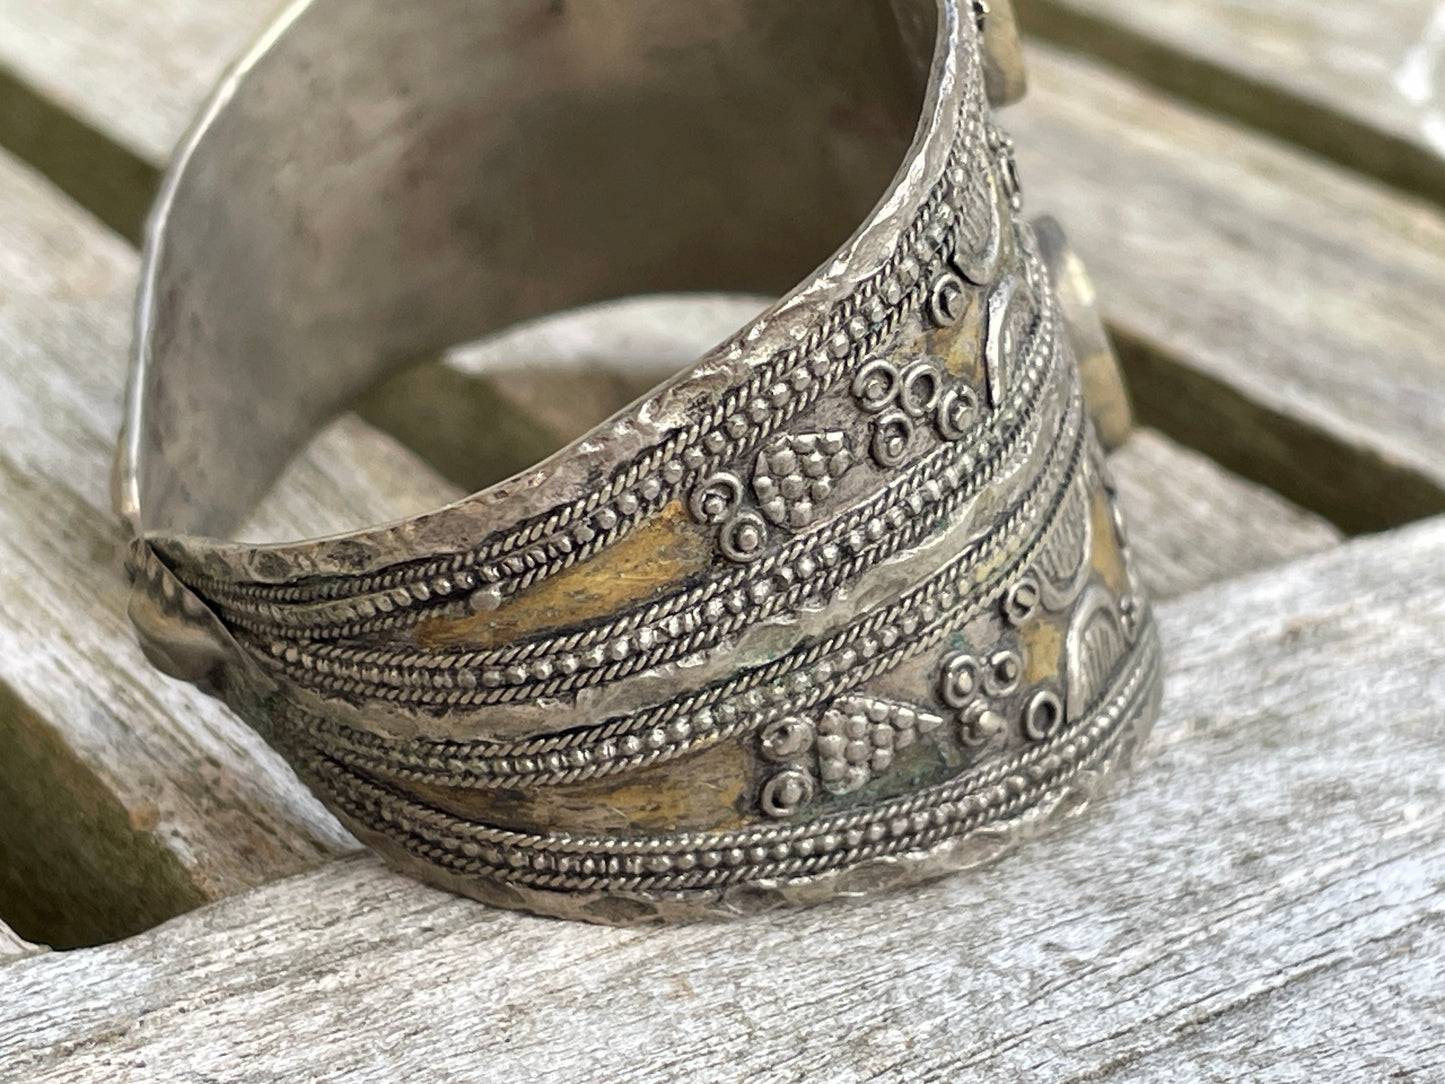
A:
(350, 476)
(1272, 313)
(548, 381)
(126, 797)
(1276, 312)
(1192, 524)
(1361, 83)
(96, 93)
(1260, 900)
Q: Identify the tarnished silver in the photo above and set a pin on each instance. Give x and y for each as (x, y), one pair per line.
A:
(846, 603)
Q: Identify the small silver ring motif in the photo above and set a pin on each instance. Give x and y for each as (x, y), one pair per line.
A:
(716, 498)
(892, 434)
(786, 738)
(742, 537)
(786, 793)
(957, 412)
(1022, 601)
(876, 385)
(948, 300)
(1044, 715)
(1003, 673)
(961, 680)
(919, 388)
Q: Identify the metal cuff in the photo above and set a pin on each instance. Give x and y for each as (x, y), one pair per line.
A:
(845, 603)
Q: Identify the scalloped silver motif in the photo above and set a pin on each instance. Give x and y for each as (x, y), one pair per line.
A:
(1096, 644)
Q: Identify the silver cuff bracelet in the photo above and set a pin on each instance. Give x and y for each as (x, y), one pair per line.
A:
(846, 603)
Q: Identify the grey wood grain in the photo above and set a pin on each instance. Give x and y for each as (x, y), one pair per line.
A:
(1243, 280)
(96, 93)
(489, 409)
(1275, 311)
(1263, 899)
(126, 797)
(1361, 83)
(1192, 524)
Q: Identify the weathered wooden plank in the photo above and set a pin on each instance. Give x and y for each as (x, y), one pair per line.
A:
(1262, 900)
(490, 409)
(1361, 83)
(1296, 348)
(1192, 524)
(96, 93)
(350, 476)
(1272, 310)
(127, 797)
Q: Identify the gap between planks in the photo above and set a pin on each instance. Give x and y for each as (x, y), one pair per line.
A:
(1326, 384)
(1362, 84)
(1279, 314)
